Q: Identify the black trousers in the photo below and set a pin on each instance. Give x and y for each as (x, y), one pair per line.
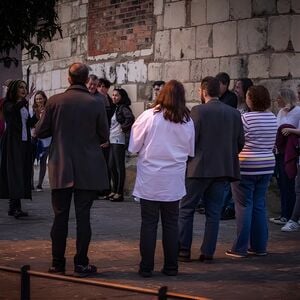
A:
(117, 167)
(169, 218)
(61, 202)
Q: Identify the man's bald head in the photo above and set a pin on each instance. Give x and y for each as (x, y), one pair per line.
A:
(78, 73)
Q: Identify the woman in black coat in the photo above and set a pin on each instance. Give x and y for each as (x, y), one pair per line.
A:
(16, 149)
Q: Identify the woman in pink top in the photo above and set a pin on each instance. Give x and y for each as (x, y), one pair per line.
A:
(163, 137)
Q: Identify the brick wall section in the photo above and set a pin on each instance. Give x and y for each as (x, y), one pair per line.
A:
(119, 25)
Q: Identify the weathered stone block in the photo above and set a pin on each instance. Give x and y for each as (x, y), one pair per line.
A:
(162, 45)
(283, 6)
(65, 12)
(224, 39)
(137, 109)
(279, 65)
(121, 71)
(59, 48)
(64, 78)
(204, 41)
(217, 11)
(160, 22)
(296, 6)
(196, 70)
(258, 66)
(56, 79)
(236, 67)
(198, 12)
(189, 91)
(83, 11)
(252, 35)
(155, 71)
(178, 70)
(175, 15)
(295, 32)
(183, 43)
(240, 9)
(158, 6)
(210, 67)
(131, 90)
(295, 65)
(137, 71)
(279, 32)
(273, 86)
(46, 81)
(263, 7)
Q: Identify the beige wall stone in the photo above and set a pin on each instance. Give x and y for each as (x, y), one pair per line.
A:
(155, 71)
(210, 67)
(178, 70)
(137, 108)
(189, 91)
(183, 43)
(252, 35)
(217, 11)
(295, 6)
(64, 78)
(240, 9)
(162, 45)
(175, 15)
(235, 66)
(65, 12)
(121, 70)
(295, 32)
(283, 6)
(131, 90)
(56, 82)
(137, 71)
(158, 7)
(258, 66)
(224, 39)
(279, 32)
(204, 41)
(295, 65)
(196, 70)
(46, 81)
(60, 48)
(279, 65)
(263, 7)
(198, 12)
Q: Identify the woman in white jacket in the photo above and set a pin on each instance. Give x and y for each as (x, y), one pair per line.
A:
(163, 137)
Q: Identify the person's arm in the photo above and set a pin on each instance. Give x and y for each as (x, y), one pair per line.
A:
(288, 131)
(102, 124)
(43, 126)
(128, 119)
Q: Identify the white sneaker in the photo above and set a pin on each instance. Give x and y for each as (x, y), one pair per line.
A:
(290, 226)
(279, 220)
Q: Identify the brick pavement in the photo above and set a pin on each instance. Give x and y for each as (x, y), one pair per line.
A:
(114, 249)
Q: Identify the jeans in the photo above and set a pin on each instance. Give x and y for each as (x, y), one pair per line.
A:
(211, 191)
(61, 202)
(169, 219)
(228, 201)
(286, 187)
(251, 216)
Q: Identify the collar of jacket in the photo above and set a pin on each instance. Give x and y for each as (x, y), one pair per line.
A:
(81, 87)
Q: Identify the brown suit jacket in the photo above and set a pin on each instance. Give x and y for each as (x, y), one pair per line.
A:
(78, 125)
(219, 137)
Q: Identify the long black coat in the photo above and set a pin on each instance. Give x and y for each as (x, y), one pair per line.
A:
(78, 126)
(15, 167)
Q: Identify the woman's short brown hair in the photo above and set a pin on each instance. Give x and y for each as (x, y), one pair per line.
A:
(260, 98)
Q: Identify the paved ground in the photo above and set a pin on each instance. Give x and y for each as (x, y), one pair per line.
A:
(114, 249)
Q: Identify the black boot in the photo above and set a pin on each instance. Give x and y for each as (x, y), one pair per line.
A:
(12, 207)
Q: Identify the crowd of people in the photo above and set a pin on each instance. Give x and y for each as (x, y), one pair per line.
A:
(221, 156)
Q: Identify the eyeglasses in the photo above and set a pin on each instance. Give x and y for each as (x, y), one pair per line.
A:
(157, 89)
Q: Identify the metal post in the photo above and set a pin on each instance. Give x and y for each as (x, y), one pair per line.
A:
(162, 293)
(25, 283)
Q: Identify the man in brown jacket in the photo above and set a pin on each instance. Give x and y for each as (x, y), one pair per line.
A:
(78, 126)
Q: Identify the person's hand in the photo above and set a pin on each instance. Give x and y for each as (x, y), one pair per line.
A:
(286, 131)
(104, 145)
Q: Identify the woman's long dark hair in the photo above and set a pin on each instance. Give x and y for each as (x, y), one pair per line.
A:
(125, 100)
(171, 101)
(12, 90)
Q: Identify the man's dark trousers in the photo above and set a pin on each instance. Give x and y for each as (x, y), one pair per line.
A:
(61, 202)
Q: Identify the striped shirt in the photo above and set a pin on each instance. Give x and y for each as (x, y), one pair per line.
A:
(257, 156)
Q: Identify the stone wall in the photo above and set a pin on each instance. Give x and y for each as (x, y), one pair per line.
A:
(189, 39)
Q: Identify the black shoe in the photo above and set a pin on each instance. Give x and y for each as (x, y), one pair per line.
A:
(19, 214)
(117, 198)
(84, 271)
(11, 212)
(145, 274)
(57, 270)
(228, 214)
(169, 272)
(205, 258)
(184, 256)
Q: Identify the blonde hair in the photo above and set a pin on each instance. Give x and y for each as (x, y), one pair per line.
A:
(288, 96)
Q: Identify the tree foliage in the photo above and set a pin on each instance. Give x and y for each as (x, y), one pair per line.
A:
(28, 24)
